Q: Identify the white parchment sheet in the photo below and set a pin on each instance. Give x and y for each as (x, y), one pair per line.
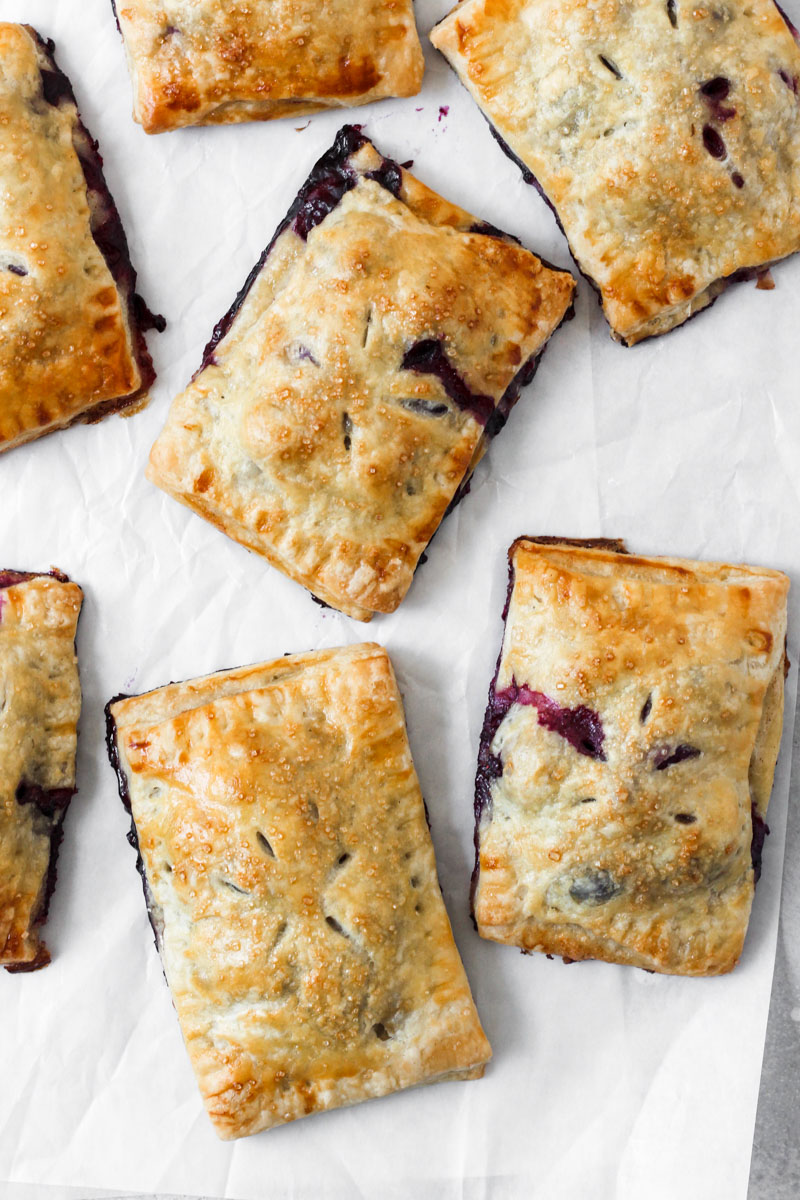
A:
(606, 1082)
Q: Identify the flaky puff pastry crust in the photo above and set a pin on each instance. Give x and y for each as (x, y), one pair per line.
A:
(292, 886)
(665, 135)
(203, 62)
(40, 702)
(71, 326)
(627, 756)
(349, 394)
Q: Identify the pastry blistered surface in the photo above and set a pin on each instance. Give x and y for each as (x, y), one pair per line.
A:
(210, 62)
(318, 433)
(38, 732)
(293, 881)
(65, 344)
(630, 694)
(666, 135)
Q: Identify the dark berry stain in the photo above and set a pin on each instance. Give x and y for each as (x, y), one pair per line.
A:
(685, 818)
(737, 180)
(789, 80)
(646, 709)
(672, 13)
(15, 270)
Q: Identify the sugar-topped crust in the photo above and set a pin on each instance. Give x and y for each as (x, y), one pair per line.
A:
(627, 756)
(383, 337)
(41, 701)
(665, 135)
(71, 334)
(201, 62)
(292, 886)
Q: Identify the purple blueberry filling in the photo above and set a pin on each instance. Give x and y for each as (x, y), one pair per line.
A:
(106, 225)
(48, 800)
(672, 13)
(668, 756)
(15, 270)
(760, 831)
(330, 179)
(154, 914)
(789, 80)
(428, 358)
(717, 88)
(737, 180)
(713, 142)
(389, 176)
(581, 726)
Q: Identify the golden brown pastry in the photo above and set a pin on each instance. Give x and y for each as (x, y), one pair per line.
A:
(291, 884)
(345, 399)
(627, 756)
(204, 62)
(664, 134)
(40, 702)
(72, 328)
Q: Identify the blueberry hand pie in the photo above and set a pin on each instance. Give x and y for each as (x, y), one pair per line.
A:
(40, 702)
(291, 884)
(627, 756)
(204, 62)
(345, 399)
(664, 134)
(72, 327)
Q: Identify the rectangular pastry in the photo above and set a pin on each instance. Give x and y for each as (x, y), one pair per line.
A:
(664, 135)
(72, 327)
(345, 399)
(199, 62)
(291, 884)
(627, 756)
(40, 702)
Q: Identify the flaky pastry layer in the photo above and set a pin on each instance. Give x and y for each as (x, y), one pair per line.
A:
(292, 886)
(627, 756)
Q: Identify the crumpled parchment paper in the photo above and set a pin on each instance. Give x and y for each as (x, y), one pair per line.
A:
(607, 1082)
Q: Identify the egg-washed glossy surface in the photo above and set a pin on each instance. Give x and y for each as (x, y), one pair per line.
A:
(201, 62)
(627, 756)
(292, 887)
(40, 704)
(665, 135)
(350, 391)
